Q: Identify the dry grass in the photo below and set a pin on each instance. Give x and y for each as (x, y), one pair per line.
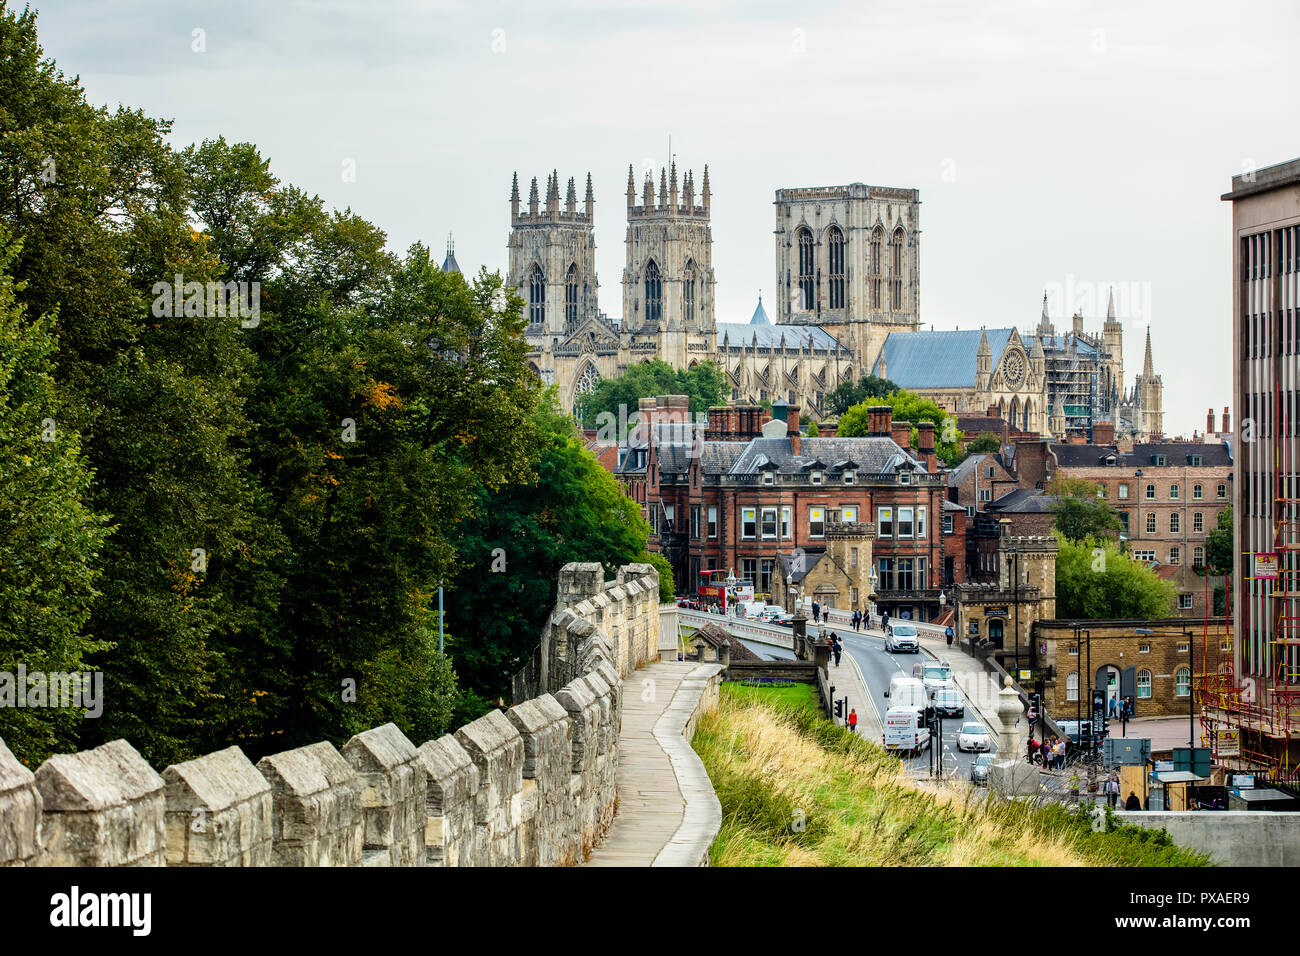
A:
(798, 791)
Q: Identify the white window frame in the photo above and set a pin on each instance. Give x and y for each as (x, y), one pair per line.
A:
(1072, 686)
(1144, 686)
(787, 513)
(763, 515)
(1183, 682)
(1122, 494)
(816, 516)
(713, 521)
(885, 522)
(908, 530)
(749, 516)
(920, 523)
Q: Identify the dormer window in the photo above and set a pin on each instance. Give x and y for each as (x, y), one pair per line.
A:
(849, 477)
(769, 478)
(815, 477)
(1194, 461)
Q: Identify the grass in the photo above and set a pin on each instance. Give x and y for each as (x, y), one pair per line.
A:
(796, 790)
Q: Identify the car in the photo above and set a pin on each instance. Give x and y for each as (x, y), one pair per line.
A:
(785, 620)
(973, 737)
(902, 637)
(947, 702)
(936, 674)
(979, 770)
(770, 613)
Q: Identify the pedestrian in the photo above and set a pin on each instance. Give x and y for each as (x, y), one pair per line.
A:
(835, 648)
(1111, 710)
(1060, 754)
(948, 633)
(884, 621)
(1132, 803)
(1111, 790)
(1033, 749)
(817, 610)
(853, 720)
(856, 618)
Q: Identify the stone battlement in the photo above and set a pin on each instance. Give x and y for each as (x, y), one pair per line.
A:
(533, 785)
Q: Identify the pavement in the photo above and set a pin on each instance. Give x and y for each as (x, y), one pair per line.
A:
(666, 803)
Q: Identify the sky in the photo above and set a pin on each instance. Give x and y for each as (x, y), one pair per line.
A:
(1058, 146)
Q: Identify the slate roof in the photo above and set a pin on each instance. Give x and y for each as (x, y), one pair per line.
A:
(1023, 501)
(937, 359)
(1218, 455)
(810, 558)
(975, 424)
(873, 455)
(770, 336)
(963, 470)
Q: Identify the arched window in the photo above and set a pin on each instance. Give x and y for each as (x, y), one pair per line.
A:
(1072, 687)
(806, 275)
(1144, 683)
(688, 292)
(571, 295)
(877, 253)
(896, 270)
(835, 242)
(654, 293)
(536, 295)
(1182, 682)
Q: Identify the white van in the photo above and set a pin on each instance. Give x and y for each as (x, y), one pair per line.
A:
(904, 731)
(750, 610)
(907, 692)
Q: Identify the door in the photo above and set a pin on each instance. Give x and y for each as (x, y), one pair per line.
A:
(995, 631)
(1108, 677)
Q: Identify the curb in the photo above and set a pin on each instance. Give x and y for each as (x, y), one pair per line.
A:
(701, 813)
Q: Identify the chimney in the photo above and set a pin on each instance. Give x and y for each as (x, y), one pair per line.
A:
(1103, 433)
(901, 432)
(878, 418)
(1227, 422)
(792, 430)
(1209, 420)
(925, 444)
(992, 412)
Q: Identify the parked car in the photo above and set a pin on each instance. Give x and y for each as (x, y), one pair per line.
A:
(771, 612)
(902, 637)
(973, 737)
(947, 702)
(979, 770)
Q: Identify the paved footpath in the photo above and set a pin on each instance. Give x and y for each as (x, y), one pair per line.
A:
(668, 813)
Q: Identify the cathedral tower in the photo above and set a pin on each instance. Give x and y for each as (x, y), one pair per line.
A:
(553, 258)
(1148, 393)
(668, 283)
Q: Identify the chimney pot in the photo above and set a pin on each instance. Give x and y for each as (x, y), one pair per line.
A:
(901, 432)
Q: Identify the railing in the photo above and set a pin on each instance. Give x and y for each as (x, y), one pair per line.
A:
(755, 631)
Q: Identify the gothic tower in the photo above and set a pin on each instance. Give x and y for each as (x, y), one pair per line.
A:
(983, 363)
(1112, 336)
(668, 284)
(1148, 392)
(553, 259)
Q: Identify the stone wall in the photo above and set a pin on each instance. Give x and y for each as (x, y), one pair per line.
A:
(533, 786)
(1231, 837)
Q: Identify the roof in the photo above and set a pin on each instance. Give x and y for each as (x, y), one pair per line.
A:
(1061, 343)
(873, 456)
(1216, 455)
(1023, 501)
(952, 506)
(760, 314)
(970, 463)
(810, 558)
(714, 634)
(936, 359)
(975, 424)
(736, 334)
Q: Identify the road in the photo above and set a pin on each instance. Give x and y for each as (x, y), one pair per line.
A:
(878, 666)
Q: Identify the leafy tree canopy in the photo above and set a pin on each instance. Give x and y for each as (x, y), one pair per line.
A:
(1095, 581)
(912, 408)
(1080, 512)
(846, 395)
(704, 384)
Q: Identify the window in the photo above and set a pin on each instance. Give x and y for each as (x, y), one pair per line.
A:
(1144, 648)
(1072, 687)
(1160, 461)
(885, 522)
(906, 582)
(1225, 645)
(769, 477)
(654, 293)
(713, 521)
(1194, 461)
(853, 557)
(536, 295)
(1074, 650)
(785, 522)
(1184, 604)
(815, 477)
(853, 596)
(1198, 557)
(1123, 521)
(1175, 522)
(1144, 556)
(947, 524)
(816, 522)
(1144, 683)
(1175, 555)
(886, 574)
(1173, 492)
(849, 476)
(920, 523)
(849, 513)
(688, 292)
(695, 521)
(1182, 682)
(1151, 492)
(877, 242)
(1151, 522)
(765, 575)
(990, 471)
(1198, 521)
(805, 241)
(986, 494)
(747, 517)
(905, 523)
(749, 570)
(896, 270)
(571, 295)
(1123, 491)
(835, 241)
(1101, 491)
(769, 523)
(1198, 492)
(1182, 648)
(1221, 491)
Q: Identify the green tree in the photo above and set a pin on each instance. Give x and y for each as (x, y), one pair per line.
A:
(49, 538)
(1218, 544)
(812, 431)
(911, 408)
(667, 585)
(512, 550)
(985, 443)
(1080, 513)
(1095, 581)
(704, 384)
(847, 394)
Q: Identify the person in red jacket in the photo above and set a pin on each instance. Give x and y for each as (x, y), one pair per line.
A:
(853, 720)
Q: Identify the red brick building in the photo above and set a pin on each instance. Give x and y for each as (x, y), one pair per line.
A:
(735, 494)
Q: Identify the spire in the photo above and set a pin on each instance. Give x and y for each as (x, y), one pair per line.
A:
(553, 192)
(631, 188)
(672, 187)
(705, 195)
(1045, 323)
(1148, 368)
(590, 203)
(449, 264)
(514, 197)
(571, 199)
(663, 187)
(648, 191)
(985, 348)
(1110, 306)
(532, 199)
(760, 313)
(688, 185)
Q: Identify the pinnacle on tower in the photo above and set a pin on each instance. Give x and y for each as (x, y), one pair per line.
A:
(591, 199)
(1148, 368)
(648, 192)
(532, 198)
(688, 186)
(514, 196)
(631, 188)
(672, 186)
(553, 192)
(571, 200)
(704, 193)
(1110, 306)
(663, 188)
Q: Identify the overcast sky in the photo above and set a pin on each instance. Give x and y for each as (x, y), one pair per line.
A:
(1056, 145)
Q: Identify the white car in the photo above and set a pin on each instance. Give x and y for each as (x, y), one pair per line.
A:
(902, 637)
(973, 737)
(771, 613)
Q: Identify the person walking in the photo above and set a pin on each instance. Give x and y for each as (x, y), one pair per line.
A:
(853, 720)
(884, 621)
(1112, 790)
(817, 610)
(835, 648)
(857, 616)
(1132, 803)
(948, 633)
(1111, 708)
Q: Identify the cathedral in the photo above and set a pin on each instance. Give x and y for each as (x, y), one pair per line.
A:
(848, 281)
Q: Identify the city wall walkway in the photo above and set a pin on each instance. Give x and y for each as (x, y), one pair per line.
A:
(668, 814)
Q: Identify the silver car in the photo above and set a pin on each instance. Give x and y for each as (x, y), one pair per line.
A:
(979, 770)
